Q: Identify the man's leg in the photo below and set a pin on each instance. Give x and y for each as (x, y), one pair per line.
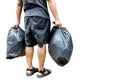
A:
(41, 52)
(41, 59)
(29, 56)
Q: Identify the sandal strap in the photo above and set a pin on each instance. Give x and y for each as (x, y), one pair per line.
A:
(42, 71)
(34, 69)
(48, 71)
(31, 71)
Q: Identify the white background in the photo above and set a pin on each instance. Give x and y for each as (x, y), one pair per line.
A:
(95, 29)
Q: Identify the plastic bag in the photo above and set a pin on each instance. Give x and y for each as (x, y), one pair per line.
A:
(60, 46)
(15, 43)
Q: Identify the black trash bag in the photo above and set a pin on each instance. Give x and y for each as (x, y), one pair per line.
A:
(15, 43)
(60, 46)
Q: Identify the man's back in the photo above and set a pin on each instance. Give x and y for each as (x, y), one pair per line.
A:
(36, 8)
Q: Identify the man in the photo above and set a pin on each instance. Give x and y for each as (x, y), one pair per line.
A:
(37, 29)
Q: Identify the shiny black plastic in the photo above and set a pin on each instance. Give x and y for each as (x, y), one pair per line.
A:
(60, 46)
(15, 43)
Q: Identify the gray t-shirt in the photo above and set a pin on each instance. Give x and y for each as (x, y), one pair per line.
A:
(36, 8)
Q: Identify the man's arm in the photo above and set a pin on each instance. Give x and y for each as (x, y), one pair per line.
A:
(18, 12)
(53, 8)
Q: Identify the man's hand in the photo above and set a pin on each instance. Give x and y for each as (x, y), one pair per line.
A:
(58, 23)
(16, 24)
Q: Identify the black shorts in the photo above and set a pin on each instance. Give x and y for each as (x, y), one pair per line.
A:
(37, 30)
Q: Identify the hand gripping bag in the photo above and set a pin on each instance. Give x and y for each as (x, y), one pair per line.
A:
(15, 43)
(60, 46)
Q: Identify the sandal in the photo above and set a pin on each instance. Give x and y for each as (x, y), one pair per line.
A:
(30, 72)
(43, 73)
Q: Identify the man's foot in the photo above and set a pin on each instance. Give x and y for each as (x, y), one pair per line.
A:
(43, 73)
(30, 72)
